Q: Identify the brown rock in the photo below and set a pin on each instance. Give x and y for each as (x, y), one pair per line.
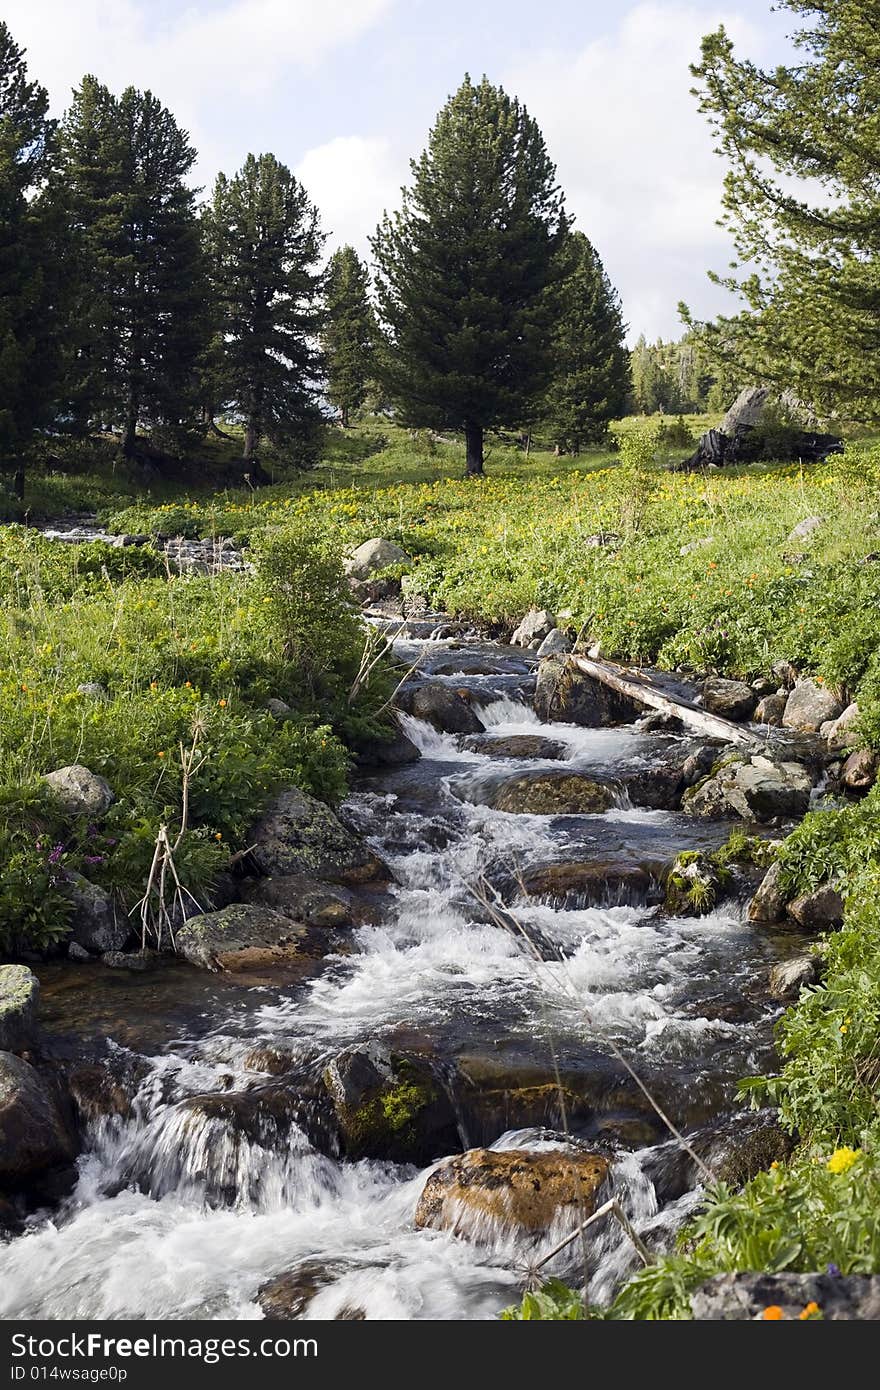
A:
(552, 794)
(859, 772)
(789, 977)
(475, 1192)
(821, 910)
(771, 709)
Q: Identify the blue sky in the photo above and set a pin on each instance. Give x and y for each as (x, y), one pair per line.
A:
(344, 92)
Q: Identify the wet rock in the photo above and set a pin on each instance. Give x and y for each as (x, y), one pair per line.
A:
(534, 628)
(821, 910)
(444, 709)
(756, 788)
(372, 556)
(390, 1105)
(660, 721)
(303, 898)
(239, 937)
(395, 751)
(475, 1193)
(771, 709)
(809, 706)
(566, 694)
(35, 1135)
(595, 883)
(515, 746)
(95, 925)
(19, 1001)
(270, 1061)
(299, 835)
(699, 764)
(129, 960)
(77, 952)
(734, 1149)
(660, 785)
(789, 977)
(286, 1297)
(844, 731)
(729, 699)
(105, 1086)
(80, 792)
(768, 903)
(551, 794)
(745, 1297)
(806, 528)
(859, 772)
(554, 644)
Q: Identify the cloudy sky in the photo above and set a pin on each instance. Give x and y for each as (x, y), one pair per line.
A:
(344, 91)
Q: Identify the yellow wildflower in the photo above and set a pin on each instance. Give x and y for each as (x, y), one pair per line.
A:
(843, 1159)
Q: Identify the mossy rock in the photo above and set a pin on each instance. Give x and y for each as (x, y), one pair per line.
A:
(390, 1106)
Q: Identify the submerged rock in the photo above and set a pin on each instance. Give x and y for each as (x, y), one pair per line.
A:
(80, 792)
(522, 1190)
(19, 1000)
(745, 1297)
(299, 835)
(239, 937)
(515, 746)
(390, 1105)
(286, 1297)
(551, 794)
(597, 882)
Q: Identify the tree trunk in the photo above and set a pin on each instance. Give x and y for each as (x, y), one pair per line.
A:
(18, 481)
(473, 438)
(129, 437)
(250, 438)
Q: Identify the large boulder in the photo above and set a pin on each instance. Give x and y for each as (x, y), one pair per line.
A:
(517, 1190)
(371, 557)
(859, 772)
(299, 835)
(95, 925)
(19, 999)
(302, 898)
(396, 750)
(749, 1297)
(80, 792)
(755, 788)
(239, 937)
(390, 1105)
(820, 910)
(551, 794)
(444, 708)
(35, 1134)
(555, 643)
(693, 884)
(843, 732)
(729, 699)
(534, 628)
(789, 977)
(566, 694)
(809, 706)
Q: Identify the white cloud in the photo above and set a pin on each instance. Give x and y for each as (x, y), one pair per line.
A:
(353, 179)
(635, 156)
(211, 63)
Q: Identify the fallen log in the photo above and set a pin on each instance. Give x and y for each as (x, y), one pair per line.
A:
(640, 690)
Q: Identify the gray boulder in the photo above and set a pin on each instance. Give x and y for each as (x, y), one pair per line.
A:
(34, 1133)
(299, 835)
(554, 644)
(303, 898)
(729, 699)
(821, 910)
(762, 790)
(279, 709)
(95, 924)
(390, 1105)
(568, 695)
(768, 904)
(239, 937)
(80, 792)
(516, 746)
(789, 977)
(806, 528)
(744, 1297)
(94, 690)
(843, 732)
(19, 1000)
(534, 628)
(809, 706)
(371, 557)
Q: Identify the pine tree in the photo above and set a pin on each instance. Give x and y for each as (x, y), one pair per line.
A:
(802, 199)
(264, 243)
(140, 325)
(32, 252)
(349, 337)
(464, 269)
(591, 378)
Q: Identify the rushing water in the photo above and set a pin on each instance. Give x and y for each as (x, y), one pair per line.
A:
(178, 1212)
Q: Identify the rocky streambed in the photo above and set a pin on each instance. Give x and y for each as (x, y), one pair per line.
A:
(411, 1056)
